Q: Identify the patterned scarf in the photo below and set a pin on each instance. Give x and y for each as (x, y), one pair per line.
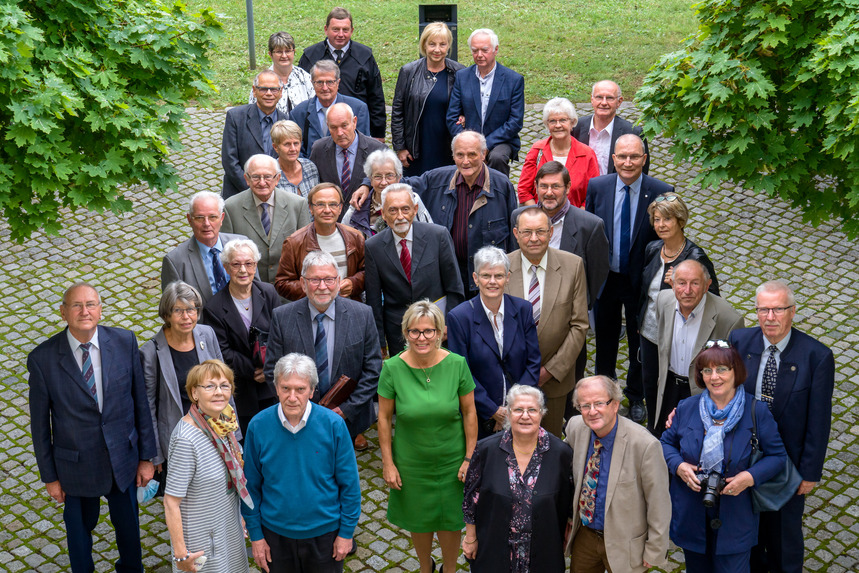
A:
(713, 451)
(220, 432)
(560, 214)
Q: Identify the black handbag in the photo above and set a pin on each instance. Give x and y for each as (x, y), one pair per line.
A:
(775, 493)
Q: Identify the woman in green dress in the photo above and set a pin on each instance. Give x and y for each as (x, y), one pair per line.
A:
(424, 464)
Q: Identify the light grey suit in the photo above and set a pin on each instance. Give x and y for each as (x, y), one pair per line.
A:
(242, 216)
(184, 263)
(718, 319)
(162, 386)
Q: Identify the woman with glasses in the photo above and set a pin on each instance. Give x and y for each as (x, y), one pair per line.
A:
(296, 83)
(167, 358)
(708, 451)
(206, 480)
(425, 461)
(559, 117)
(668, 217)
(240, 315)
(383, 168)
(518, 492)
(297, 174)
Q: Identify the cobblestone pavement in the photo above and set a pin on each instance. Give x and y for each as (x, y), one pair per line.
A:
(750, 238)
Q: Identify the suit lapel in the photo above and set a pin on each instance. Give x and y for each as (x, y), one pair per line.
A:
(305, 328)
(516, 282)
(165, 362)
(708, 322)
(419, 244)
(278, 214)
(197, 265)
(341, 330)
(551, 288)
(497, 87)
(568, 234)
(105, 342)
(256, 302)
(617, 452)
(753, 360)
(641, 210)
(253, 125)
(390, 249)
(474, 84)
(484, 328)
(785, 379)
(608, 209)
(510, 314)
(251, 216)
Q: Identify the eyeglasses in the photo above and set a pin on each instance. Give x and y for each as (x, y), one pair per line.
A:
(520, 411)
(608, 99)
(394, 211)
(267, 89)
(595, 405)
(719, 343)
(177, 311)
(79, 306)
(558, 121)
(720, 370)
(201, 218)
(324, 206)
(624, 158)
(325, 83)
(488, 277)
(553, 187)
(210, 388)
(389, 177)
(257, 177)
(329, 281)
(414, 333)
(528, 233)
(250, 265)
(282, 52)
(669, 198)
(776, 310)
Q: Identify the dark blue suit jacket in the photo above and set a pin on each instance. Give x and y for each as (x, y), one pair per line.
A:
(600, 202)
(683, 442)
(470, 334)
(304, 114)
(75, 443)
(504, 114)
(802, 406)
(242, 139)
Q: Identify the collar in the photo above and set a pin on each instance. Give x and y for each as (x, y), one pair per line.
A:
(204, 249)
(489, 312)
(608, 441)
(269, 202)
(696, 312)
(353, 147)
(285, 423)
(781, 345)
(75, 343)
(526, 264)
(408, 236)
(635, 187)
(488, 76)
(329, 312)
(320, 107)
(608, 129)
(332, 48)
(261, 114)
(481, 181)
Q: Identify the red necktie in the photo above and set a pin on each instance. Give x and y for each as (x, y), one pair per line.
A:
(406, 259)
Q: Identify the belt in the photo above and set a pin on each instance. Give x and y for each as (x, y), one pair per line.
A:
(599, 532)
(677, 378)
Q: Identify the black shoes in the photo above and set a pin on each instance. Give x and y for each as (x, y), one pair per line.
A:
(637, 411)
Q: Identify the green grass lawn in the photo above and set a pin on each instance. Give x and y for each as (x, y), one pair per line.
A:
(561, 47)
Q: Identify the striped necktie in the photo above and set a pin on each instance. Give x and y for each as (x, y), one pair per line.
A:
(534, 294)
(87, 370)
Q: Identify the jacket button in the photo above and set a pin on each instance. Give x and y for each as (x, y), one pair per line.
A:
(469, 226)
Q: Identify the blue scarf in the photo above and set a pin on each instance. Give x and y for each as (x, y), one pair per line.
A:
(713, 451)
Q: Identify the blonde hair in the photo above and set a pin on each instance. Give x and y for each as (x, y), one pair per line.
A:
(208, 370)
(433, 30)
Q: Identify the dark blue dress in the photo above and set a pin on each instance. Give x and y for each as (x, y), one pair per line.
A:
(435, 139)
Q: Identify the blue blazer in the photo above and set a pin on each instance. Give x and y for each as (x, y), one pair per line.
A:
(304, 114)
(75, 443)
(504, 114)
(469, 334)
(683, 441)
(802, 406)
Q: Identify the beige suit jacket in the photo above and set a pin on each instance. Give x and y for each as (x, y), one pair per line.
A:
(637, 503)
(289, 214)
(563, 315)
(718, 319)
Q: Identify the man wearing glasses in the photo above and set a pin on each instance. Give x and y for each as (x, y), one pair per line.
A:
(247, 131)
(600, 130)
(197, 260)
(794, 374)
(344, 244)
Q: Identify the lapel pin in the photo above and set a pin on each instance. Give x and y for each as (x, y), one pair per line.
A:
(793, 368)
(202, 345)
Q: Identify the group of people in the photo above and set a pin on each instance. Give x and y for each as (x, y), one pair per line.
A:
(333, 272)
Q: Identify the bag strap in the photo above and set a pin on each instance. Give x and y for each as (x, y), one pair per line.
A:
(754, 441)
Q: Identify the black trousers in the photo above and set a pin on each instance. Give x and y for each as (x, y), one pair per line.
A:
(676, 388)
(780, 547)
(618, 296)
(650, 378)
(313, 555)
(499, 158)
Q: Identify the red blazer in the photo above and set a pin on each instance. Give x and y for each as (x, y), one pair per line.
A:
(581, 163)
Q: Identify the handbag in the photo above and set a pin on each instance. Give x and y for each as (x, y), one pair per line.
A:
(258, 340)
(775, 493)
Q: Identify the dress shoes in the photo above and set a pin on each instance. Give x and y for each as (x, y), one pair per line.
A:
(637, 411)
(361, 443)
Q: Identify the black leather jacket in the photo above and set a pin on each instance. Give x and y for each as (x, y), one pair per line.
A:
(414, 83)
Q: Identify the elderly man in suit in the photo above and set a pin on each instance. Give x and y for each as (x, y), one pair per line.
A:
(622, 505)
(92, 431)
(247, 131)
(340, 333)
(687, 316)
(340, 157)
(310, 114)
(265, 214)
(197, 261)
(795, 375)
(553, 282)
(600, 130)
(361, 77)
(489, 98)
(621, 200)
(407, 262)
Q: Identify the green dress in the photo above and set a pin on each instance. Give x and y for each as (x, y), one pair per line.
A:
(428, 443)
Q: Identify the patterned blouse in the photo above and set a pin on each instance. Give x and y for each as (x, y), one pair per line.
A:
(298, 88)
(521, 489)
(309, 179)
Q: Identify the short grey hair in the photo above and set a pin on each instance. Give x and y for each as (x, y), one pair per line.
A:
(397, 188)
(318, 259)
(236, 245)
(776, 286)
(611, 387)
(178, 291)
(701, 266)
(493, 37)
(296, 364)
(205, 195)
(560, 105)
(263, 158)
(491, 257)
(380, 157)
(325, 66)
(471, 132)
(80, 284)
(518, 390)
(267, 73)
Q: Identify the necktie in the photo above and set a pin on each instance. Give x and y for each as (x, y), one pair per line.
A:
(338, 56)
(217, 270)
(406, 259)
(265, 219)
(87, 370)
(768, 381)
(266, 135)
(534, 294)
(320, 346)
(624, 232)
(587, 500)
(345, 173)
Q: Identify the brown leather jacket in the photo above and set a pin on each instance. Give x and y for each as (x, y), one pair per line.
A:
(296, 246)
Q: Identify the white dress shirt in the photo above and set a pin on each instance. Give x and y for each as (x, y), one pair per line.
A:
(684, 337)
(497, 322)
(541, 276)
(600, 142)
(94, 356)
(765, 356)
(289, 427)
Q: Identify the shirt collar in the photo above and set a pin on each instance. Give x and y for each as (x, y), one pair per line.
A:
(635, 187)
(332, 48)
(526, 264)
(488, 76)
(329, 312)
(781, 345)
(270, 200)
(353, 147)
(75, 343)
(489, 312)
(285, 423)
(608, 129)
(204, 249)
(262, 114)
(608, 441)
(479, 183)
(696, 312)
(408, 236)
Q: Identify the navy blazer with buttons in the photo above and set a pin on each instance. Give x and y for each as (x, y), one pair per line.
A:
(242, 139)
(470, 334)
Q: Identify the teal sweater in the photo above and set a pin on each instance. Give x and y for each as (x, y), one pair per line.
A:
(303, 485)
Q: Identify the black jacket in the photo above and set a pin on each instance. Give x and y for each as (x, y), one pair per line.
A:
(414, 84)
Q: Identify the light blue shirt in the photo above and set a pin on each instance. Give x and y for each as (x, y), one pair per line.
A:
(328, 321)
(353, 152)
(320, 113)
(634, 191)
(485, 90)
(765, 356)
(207, 260)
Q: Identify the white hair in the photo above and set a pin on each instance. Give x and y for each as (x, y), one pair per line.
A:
(493, 37)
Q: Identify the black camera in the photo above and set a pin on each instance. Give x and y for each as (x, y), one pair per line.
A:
(711, 484)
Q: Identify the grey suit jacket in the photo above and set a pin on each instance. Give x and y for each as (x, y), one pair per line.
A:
(637, 502)
(563, 318)
(241, 216)
(356, 352)
(165, 403)
(184, 263)
(323, 155)
(242, 139)
(718, 319)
